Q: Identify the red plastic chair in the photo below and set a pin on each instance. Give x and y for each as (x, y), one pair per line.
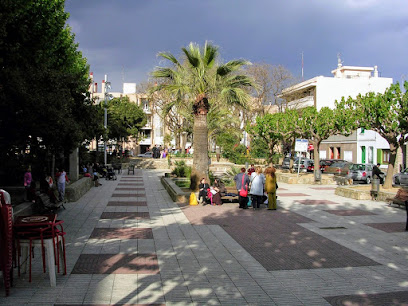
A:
(6, 242)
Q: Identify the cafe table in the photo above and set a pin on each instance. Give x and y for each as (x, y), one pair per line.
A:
(37, 225)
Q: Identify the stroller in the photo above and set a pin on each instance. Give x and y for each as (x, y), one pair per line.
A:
(110, 174)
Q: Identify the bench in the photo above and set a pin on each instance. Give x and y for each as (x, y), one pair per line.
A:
(43, 203)
(400, 198)
(131, 168)
(117, 167)
(230, 195)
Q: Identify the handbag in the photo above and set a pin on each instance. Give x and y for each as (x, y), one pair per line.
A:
(243, 192)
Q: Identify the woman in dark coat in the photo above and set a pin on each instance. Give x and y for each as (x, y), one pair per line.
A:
(202, 187)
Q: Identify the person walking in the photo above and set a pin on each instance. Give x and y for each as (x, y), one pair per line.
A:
(377, 173)
(257, 187)
(27, 182)
(270, 187)
(62, 179)
(242, 182)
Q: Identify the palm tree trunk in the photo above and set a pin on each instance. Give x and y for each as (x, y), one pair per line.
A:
(200, 155)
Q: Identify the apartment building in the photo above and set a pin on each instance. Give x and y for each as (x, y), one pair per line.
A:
(363, 146)
(150, 135)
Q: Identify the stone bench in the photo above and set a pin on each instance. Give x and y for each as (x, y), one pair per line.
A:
(75, 190)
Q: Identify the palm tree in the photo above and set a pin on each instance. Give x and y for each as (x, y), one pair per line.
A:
(199, 82)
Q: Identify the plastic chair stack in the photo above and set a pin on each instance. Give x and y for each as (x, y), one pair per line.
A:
(50, 234)
(6, 242)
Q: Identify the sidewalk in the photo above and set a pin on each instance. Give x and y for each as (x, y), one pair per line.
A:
(128, 243)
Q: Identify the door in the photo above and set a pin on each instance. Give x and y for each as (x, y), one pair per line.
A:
(363, 154)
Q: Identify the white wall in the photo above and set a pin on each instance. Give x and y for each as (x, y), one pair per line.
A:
(329, 89)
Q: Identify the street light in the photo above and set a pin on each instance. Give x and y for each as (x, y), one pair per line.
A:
(107, 87)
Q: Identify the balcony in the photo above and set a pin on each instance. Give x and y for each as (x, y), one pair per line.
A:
(146, 141)
(302, 102)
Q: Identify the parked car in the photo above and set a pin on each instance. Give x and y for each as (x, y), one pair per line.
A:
(286, 162)
(339, 168)
(304, 164)
(324, 163)
(401, 178)
(146, 154)
(361, 172)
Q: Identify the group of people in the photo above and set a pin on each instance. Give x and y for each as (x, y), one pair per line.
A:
(210, 193)
(255, 184)
(46, 185)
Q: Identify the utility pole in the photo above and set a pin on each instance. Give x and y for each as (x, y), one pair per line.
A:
(105, 124)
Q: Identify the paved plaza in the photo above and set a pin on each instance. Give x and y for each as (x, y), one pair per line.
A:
(128, 243)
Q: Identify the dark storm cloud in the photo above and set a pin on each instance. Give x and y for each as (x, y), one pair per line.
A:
(122, 38)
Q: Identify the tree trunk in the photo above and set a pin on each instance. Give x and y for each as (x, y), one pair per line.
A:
(316, 154)
(200, 155)
(391, 165)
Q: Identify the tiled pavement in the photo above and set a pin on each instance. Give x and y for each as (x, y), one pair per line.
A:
(128, 243)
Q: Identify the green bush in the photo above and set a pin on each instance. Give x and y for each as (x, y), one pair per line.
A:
(181, 170)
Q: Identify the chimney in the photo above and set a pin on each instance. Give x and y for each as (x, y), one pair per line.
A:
(96, 87)
(376, 71)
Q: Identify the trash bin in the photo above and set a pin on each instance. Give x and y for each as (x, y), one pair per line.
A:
(375, 188)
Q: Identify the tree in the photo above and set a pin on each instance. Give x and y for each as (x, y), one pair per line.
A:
(386, 114)
(125, 119)
(44, 81)
(201, 81)
(270, 80)
(320, 125)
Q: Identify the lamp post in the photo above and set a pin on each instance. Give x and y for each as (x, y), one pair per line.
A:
(105, 124)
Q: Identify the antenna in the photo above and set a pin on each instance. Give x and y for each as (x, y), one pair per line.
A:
(339, 62)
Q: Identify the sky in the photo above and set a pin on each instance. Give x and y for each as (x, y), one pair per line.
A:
(122, 38)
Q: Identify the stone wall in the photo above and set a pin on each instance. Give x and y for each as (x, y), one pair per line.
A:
(74, 191)
(175, 191)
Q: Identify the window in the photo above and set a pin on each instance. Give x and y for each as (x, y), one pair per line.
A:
(386, 156)
(362, 130)
(331, 154)
(338, 152)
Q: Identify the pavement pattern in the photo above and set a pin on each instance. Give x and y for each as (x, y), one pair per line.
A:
(128, 243)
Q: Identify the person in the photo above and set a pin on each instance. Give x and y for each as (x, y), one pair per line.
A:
(270, 187)
(377, 173)
(218, 153)
(202, 194)
(242, 181)
(251, 170)
(218, 185)
(62, 179)
(257, 187)
(216, 192)
(27, 181)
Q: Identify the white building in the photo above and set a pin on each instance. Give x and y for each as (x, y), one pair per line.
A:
(348, 81)
(151, 134)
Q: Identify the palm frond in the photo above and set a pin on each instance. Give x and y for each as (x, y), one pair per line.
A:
(210, 54)
(170, 57)
(231, 66)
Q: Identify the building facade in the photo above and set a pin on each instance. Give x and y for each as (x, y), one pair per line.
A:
(150, 135)
(363, 146)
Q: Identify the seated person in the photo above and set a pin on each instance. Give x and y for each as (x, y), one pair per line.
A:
(216, 196)
(202, 194)
(218, 185)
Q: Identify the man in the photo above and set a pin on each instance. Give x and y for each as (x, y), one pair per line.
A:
(242, 182)
(377, 173)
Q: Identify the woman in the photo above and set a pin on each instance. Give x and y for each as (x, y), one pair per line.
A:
(257, 187)
(219, 186)
(216, 190)
(202, 194)
(270, 187)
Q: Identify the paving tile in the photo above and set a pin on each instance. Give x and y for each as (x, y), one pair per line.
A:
(125, 215)
(378, 299)
(122, 233)
(315, 202)
(129, 188)
(350, 212)
(128, 195)
(394, 227)
(127, 203)
(293, 195)
(116, 264)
